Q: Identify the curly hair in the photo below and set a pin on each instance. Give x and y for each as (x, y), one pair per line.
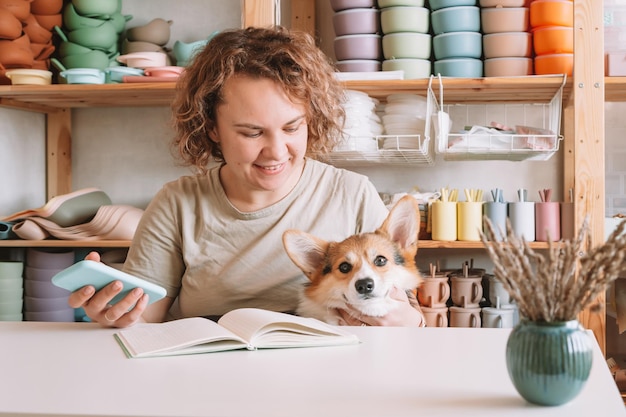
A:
(289, 58)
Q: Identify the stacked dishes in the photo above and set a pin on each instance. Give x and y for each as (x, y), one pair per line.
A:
(406, 40)
(43, 301)
(404, 120)
(552, 24)
(457, 42)
(357, 39)
(507, 44)
(26, 40)
(11, 290)
(91, 34)
(362, 124)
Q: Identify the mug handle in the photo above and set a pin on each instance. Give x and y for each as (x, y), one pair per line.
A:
(474, 320)
(499, 321)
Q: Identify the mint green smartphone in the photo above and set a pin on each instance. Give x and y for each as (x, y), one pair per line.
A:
(99, 275)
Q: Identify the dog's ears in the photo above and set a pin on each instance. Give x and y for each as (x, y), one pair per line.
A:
(403, 223)
(306, 251)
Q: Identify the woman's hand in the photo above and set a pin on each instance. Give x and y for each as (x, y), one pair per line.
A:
(98, 309)
(406, 313)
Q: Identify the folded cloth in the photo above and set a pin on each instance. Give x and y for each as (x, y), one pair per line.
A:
(67, 209)
(111, 222)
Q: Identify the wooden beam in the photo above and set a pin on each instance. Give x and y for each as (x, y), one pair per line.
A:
(303, 16)
(58, 153)
(587, 169)
(258, 13)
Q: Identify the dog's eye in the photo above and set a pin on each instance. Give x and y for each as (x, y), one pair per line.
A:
(380, 261)
(345, 267)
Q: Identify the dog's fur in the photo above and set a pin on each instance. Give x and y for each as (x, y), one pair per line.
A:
(361, 270)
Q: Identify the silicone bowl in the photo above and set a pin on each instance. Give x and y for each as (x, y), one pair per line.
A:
(155, 31)
(357, 47)
(46, 7)
(355, 21)
(40, 274)
(43, 289)
(459, 67)
(11, 269)
(11, 283)
(117, 74)
(456, 19)
(11, 306)
(49, 258)
(359, 65)
(64, 315)
(166, 71)
(49, 21)
(10, 26)
(502, 3)
(404, 19)
(441, 4)
(554, 64)
(504, 19)
(390, 3)
(26, 76)
(507, 44)
(508, 67)
(83, 76)
(407, 45)
(338, 5)
(457, 45)
(101, 37)
(551, 12)
(553, 40)
(144, 59)
(32, 304)
(96, 8)
(73, 21)
(413, 68)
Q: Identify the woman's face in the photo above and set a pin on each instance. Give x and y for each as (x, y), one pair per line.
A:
(263, 138)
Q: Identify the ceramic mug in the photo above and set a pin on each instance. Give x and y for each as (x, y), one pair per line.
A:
(434, 292)
(496, 212)
(547, 221)
(465, 317)
(522, 218)
(435, 317)
(466, 291)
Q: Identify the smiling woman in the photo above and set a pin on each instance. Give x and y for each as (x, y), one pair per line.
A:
(257, 101)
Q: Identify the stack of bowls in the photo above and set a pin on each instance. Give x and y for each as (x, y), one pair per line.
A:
(90, 35)
(457, 42)
(43, 301)
(362, 124)
(507, 43)
(357, 35)
(11, 290)
(25, 43)
(404, 121)
(407, 43)
(552, 23)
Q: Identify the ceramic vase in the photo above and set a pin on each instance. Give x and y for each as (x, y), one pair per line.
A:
(549, 362)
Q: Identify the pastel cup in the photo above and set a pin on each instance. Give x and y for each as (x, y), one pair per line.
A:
(497, 317)
(434, 292)
(466, 291)
(435, 316)
(465, 317)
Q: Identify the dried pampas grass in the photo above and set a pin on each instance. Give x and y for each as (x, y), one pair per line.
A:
(561, 282)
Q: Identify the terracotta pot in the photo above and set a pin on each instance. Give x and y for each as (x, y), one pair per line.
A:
(10, 26)
(19, 8)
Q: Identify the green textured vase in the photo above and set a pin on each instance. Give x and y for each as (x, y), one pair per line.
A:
(549, 363)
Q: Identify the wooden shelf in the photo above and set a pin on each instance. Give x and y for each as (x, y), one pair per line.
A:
(53, 243)
(615, 88)
(50, 98)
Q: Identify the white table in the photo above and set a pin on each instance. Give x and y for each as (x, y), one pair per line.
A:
(61, 369)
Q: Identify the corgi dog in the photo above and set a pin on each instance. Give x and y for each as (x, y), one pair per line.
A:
(361, 270)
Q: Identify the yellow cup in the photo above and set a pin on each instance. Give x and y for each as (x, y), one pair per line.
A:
(469, 220)
(444, 220)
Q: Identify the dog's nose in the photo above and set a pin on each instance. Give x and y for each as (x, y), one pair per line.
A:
(364, 286)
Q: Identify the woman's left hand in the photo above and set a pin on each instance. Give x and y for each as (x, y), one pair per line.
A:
(406, 313)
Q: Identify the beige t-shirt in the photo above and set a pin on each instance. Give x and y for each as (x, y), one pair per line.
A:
(214, 258)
